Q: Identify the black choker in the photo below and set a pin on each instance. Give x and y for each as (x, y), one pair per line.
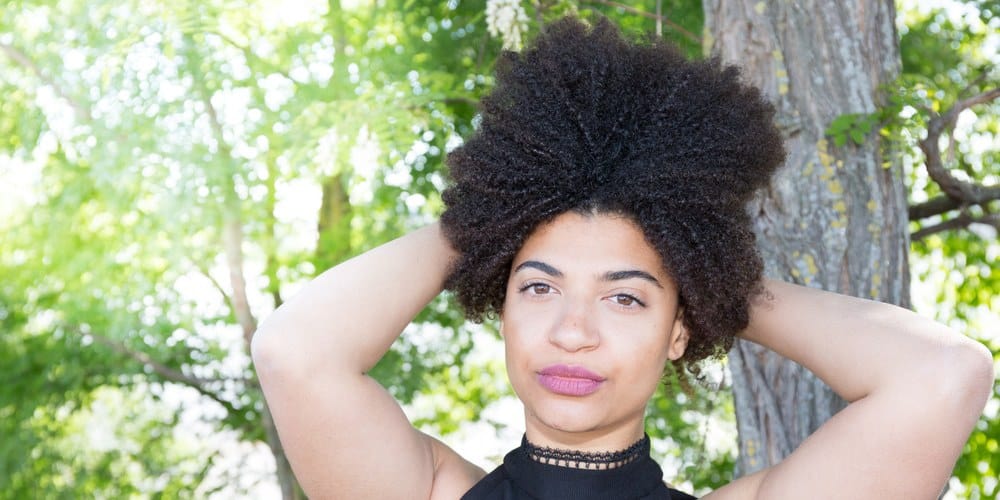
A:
(599, 460)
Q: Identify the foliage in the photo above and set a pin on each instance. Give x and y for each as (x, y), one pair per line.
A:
(139, 135)
(946, 58)
(135, 134)
(698, 422)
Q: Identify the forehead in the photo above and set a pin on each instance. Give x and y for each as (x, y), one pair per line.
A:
(595, 243)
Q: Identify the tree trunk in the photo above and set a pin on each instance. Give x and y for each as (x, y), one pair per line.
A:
(232, 239)
(834, 217)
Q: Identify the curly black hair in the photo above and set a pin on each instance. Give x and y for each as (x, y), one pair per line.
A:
(586, 120)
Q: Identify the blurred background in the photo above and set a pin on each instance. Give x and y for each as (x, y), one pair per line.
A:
(170, 172)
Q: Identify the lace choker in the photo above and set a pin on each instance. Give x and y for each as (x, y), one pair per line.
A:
(599, 460)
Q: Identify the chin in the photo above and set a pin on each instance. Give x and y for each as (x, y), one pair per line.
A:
(567, 416)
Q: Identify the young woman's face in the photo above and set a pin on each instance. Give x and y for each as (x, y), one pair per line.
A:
(590, 319)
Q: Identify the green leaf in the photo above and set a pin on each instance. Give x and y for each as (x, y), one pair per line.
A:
(857, 135)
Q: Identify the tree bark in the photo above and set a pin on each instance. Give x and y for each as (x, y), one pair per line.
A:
(834, 217)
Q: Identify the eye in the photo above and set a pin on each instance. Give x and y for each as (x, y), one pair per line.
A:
(627, 301)
(537, 288)
(624, 300)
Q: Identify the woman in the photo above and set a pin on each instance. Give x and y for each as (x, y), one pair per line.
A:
(599, 211)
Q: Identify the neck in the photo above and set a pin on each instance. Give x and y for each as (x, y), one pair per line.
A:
(592, 460)
(604, 439)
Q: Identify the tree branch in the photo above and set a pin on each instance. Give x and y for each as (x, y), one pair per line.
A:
(232, 230)
(168, 373)
(233, 241)
(232, 235)
(979, 79)
(659, 21)
(663, 19)
(961, 222)
(942, 204)
(19, 57)
(218, 286)
(964, 192)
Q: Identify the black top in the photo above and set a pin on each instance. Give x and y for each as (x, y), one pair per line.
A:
(521, 478)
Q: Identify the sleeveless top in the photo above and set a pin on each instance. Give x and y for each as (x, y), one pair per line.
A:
(522, 478)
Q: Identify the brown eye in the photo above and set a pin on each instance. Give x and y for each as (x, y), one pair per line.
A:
(624, 300)
(540, 288)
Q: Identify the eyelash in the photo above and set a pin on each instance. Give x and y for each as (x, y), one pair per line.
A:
(617, 295)
(532, 285)
(631, 297)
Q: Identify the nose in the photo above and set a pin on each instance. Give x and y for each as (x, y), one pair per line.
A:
(575, 330)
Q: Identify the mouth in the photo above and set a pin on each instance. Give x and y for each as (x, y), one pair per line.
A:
(570, 380)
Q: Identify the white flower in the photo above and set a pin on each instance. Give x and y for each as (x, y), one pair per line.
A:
(506, 19)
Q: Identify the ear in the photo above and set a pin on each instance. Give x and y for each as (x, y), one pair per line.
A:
(678, 337)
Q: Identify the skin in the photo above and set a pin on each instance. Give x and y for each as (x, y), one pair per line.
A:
(562, 308)
(916, 388)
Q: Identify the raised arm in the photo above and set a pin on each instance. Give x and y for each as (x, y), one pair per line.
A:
(343, 433)
(915, 389)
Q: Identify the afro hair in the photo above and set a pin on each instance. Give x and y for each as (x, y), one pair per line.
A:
(586, 120)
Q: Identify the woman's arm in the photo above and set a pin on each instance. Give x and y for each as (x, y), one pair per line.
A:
(343, 433)
(916, 389)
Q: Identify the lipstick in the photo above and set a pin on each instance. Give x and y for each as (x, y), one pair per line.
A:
(569, 380)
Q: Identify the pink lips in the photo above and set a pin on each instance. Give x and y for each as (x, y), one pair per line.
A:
(569, 380)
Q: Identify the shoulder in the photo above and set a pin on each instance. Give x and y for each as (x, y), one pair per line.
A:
(744, 488)
(453, 474)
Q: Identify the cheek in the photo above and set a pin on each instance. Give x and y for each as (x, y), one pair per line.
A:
(525, 342)
(517, 356)
(524, 318)
(512, 330)
(519, 332)
(643, 343)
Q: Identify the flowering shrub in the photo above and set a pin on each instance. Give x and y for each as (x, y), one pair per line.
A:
(506, 19)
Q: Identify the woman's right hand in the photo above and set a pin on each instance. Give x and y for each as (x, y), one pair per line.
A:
(344, 435)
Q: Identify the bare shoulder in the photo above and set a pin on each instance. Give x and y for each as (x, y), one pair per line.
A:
(744, 488)
(453, 474)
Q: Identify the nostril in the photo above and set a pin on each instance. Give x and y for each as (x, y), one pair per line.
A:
(574, 331)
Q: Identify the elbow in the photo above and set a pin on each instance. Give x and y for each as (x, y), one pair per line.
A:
(280, 352)
(265, 351)
(986, 370)
(259, 348)
(974, 373)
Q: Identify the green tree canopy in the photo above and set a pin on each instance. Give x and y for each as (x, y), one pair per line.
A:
(171, 170)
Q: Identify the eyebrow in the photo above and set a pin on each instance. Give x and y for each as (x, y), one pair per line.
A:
(629, 274)
(608, 276)
(541, 266)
